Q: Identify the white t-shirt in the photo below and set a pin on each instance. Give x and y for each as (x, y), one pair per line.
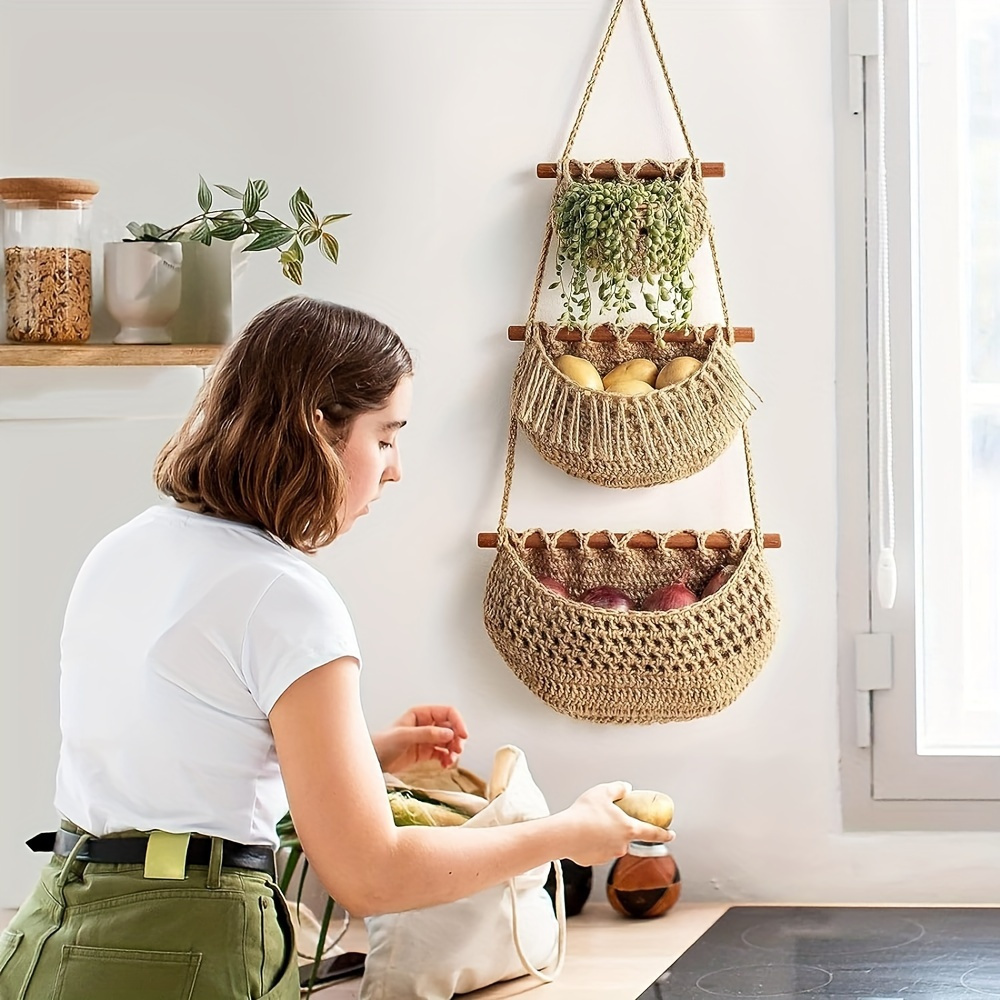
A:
(181, 632)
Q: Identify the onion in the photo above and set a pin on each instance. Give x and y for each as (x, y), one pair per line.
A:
(556, 586)
(674, 595)
(609, 598)
(716, 582)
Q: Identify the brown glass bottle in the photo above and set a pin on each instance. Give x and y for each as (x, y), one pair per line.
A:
(645, 882)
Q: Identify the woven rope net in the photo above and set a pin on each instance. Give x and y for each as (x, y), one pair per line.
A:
(630, 666)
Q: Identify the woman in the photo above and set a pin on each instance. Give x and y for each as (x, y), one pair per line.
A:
(210, 679)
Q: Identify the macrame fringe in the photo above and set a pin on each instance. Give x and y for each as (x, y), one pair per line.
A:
(631, 441)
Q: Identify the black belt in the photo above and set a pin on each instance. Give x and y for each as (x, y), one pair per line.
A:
(132, 851)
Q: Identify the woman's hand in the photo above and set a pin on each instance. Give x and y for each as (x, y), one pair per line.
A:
(602, 831)
(426, 732)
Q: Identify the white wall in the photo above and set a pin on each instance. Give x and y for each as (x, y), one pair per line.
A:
(425, 121)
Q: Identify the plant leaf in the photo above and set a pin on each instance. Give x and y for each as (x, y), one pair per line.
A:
(295, 853)
(147, 231)
(327, 219)
(200, 233)
(329, 247)
(204, 194)
(309, 214)
(261, 188)
(251, 200)
(272, 227)
(268, 241)
(231, 191)
(266, 225)
(294, 252)
(228, 230)
(309, 234)
(293, 271)
(300, 205)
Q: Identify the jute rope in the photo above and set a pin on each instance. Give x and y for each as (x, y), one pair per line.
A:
(629, 441)
(601, 435)
(629, 666)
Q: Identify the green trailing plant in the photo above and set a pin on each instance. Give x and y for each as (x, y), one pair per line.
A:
(250, 218)
(619, 236)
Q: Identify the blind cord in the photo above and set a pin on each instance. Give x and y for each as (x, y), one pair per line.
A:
(885, 577)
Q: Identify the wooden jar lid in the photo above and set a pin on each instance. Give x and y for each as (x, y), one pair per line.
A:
(47, 190)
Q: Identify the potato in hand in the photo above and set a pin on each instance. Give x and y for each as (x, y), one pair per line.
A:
(655, 808)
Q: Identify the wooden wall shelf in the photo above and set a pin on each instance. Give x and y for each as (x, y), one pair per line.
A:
(642, 540)
(63, 355)
(640, 335)
(606, 169)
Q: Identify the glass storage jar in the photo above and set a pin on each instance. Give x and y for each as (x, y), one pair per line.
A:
(46, 249)
(645, 882)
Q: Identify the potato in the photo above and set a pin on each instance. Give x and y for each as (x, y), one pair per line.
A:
(638, 368)
(580, 370)
(675, 371)
(628, 387)
(655, 808)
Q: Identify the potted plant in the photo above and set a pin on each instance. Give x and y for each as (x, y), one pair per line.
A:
(624, 235)
(142, 289)
(185, 272)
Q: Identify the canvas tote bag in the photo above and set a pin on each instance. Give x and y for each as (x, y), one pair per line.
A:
(504, 932)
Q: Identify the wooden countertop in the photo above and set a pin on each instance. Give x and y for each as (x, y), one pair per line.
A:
(607, 957)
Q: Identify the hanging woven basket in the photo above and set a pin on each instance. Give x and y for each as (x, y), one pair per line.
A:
(630, 666)
(630, 441)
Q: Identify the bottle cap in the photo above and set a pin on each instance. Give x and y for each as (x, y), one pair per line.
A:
(648, 849)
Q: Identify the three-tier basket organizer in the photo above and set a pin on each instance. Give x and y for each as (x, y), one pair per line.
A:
(586, 661)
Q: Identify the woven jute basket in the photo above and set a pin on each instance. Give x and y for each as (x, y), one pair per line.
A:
(630, 441)
(630, 666)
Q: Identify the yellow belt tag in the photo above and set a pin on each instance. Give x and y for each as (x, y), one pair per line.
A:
(166, 855)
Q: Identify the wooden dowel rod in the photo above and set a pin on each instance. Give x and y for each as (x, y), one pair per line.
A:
(606, 169)
(640, 335)
(642, 540)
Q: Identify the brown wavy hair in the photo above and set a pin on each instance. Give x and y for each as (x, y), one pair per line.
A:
(252, 450)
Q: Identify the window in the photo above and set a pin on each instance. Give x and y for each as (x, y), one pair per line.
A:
(921, 728)
(958, 182)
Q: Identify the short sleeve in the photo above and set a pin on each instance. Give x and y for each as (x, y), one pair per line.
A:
(299, 624)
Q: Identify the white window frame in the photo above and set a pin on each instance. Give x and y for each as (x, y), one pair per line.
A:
(886, 784)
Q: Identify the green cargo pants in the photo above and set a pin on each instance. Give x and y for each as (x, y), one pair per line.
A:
(107, 932)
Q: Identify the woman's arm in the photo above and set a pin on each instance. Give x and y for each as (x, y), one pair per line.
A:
(338, 801)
